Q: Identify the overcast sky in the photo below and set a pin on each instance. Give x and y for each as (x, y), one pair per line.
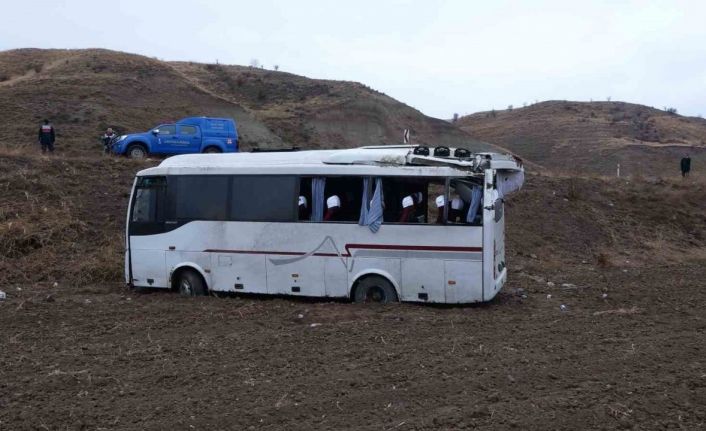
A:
(440, 57)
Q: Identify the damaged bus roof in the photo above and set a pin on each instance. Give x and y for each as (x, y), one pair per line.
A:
(365, 161)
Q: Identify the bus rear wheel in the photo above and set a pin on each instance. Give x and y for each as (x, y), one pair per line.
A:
(375, 288)
(190, 283)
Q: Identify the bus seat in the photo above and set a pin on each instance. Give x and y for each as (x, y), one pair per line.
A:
(456, 210)
(407, 209)
(303, 208)
(333, 207)
(440, 209)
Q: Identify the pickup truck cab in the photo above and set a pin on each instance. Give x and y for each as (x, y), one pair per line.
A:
(188, 135)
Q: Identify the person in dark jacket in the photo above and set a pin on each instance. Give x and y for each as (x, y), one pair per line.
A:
(47, 137)
(107, 139)
(685, 166)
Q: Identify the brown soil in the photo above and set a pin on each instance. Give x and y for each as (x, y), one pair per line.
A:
(85, 91)
(593, 137)
(91, 354)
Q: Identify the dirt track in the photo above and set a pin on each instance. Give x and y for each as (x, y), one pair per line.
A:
(104, 357)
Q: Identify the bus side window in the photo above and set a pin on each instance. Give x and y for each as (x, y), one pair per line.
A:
(342, 198)
(265, 198)
(200, 197)
(465, 199)
(406, 200)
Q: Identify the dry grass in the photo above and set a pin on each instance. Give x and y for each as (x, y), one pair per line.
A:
(90, 90)
(62, 218)
(578, 137)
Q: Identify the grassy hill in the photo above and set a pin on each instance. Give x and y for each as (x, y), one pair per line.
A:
(84, 91)
(593, 137)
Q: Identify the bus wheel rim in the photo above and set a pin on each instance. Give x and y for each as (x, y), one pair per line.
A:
(376, 294)
(186, 287)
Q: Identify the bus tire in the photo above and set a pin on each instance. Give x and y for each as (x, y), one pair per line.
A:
(136, 151)
(374, 288)
(190, 283)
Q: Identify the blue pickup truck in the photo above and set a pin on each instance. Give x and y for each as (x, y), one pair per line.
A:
(188, 135)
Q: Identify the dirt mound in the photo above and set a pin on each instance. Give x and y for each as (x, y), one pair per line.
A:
(63, 218)
(85, 91)
(593, 137)
(608, 222)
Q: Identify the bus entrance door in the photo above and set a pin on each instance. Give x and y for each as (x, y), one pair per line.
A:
(494, 273)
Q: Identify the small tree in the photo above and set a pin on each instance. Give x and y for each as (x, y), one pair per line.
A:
(509, 107)
(455, 117)
(276, 67)
(254, 63)
(672, 111)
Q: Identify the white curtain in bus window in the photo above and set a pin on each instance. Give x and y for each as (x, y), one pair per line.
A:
(365, 201)
(372, 216)
(264, 198)
(201, 197)
(476, 195)
(318, 186)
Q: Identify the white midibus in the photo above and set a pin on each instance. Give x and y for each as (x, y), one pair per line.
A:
(383, 224)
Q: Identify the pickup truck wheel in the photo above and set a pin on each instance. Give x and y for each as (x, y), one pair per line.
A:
(136, 152)
(212, 150)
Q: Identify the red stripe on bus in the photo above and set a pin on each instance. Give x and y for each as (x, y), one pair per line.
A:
(411, 247)
(281, 253)
(348, 248)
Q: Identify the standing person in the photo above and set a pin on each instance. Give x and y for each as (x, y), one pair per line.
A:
(47, 137)
(685, 166)
(107, 138)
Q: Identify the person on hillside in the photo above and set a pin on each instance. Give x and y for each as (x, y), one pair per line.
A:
(107, 139)
(685, 166)
(47, 137)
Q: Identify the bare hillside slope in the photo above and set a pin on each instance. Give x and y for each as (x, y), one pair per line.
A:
(593, 137)
(85, 91)
(323, 113)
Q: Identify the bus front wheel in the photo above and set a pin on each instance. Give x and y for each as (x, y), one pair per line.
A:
(375, 288)
(190, 283)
